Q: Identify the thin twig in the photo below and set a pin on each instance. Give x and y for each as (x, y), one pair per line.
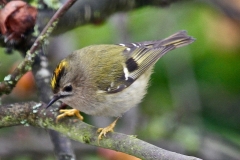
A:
(26, 65)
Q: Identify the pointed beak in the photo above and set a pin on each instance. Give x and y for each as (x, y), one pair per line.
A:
(54, 99)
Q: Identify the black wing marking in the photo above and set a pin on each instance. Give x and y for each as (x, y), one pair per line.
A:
(131, 64)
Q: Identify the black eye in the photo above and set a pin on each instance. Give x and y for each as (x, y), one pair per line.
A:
(68, 88)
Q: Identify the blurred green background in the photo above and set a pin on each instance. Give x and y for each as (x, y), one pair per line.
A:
(193, 102)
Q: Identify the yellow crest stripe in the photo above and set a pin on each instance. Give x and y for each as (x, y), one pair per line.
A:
(58, 72)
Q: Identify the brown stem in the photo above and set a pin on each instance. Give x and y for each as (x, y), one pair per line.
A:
(11, 80)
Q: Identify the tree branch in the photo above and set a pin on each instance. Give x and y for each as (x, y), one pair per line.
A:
(96, 12)
(35, 114)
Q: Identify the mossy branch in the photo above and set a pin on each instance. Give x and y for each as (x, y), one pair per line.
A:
(35, 114)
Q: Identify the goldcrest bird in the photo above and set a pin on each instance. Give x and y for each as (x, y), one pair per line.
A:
(108, 80)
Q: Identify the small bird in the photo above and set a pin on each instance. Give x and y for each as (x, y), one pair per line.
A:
(108, 80)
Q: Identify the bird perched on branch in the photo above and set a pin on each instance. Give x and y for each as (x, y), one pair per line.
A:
(108, 80)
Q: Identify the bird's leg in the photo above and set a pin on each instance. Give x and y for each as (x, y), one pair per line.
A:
(104, 131)
(69, 112)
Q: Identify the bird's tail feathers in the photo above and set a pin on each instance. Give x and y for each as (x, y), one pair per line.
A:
(178, 39)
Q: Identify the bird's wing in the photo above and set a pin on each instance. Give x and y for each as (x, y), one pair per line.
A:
(141, 56)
